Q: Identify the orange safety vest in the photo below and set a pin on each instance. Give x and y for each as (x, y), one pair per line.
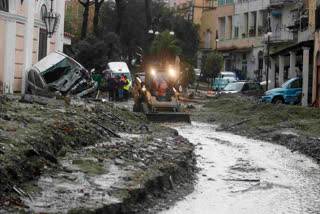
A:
(162, 90)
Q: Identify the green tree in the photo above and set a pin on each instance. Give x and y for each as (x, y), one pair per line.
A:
(165, 42)
(213, 65)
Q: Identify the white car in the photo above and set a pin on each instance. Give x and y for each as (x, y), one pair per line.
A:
(227, 75)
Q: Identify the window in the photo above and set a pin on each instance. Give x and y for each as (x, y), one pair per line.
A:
(236, 32)
(80, 11)
(208, 38)
(221, 2)
(252, 86)
(44, 12)
(4, 5)
(42, 52)
(296, 84)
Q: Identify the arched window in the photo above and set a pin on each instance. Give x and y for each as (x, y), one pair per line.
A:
(208, 38)
(43, 12)
(4, 5)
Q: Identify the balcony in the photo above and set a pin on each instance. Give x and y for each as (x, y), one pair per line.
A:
(281, 2)
(279, 37)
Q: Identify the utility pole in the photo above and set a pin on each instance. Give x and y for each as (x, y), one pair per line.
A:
(269, 33)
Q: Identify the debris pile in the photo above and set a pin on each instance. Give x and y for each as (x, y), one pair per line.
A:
(84, 143)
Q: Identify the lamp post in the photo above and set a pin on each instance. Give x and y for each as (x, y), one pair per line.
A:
(269, 34)
(217, 39)
(155, 26)
(51, 21)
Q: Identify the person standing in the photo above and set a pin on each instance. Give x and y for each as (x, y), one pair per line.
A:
(111, 85)
(116, 85)
(126, 88)
(120, 88)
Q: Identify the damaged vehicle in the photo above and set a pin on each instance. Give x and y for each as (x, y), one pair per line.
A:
(58, 72)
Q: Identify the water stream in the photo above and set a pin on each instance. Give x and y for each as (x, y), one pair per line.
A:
(239, 175)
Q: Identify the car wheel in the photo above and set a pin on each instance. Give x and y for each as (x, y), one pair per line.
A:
(278, 100)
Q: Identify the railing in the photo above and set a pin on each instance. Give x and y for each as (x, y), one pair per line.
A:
(273, 2)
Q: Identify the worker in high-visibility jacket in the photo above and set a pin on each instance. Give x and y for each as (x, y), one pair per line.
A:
(126, 88)
(161, 88)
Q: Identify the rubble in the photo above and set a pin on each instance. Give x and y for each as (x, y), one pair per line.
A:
(85, 156)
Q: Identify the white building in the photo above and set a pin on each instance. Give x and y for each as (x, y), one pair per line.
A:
(23, 39)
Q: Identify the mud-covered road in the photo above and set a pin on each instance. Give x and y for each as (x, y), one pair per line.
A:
(239, 175)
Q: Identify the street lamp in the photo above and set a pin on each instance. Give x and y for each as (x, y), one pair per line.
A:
(217, 39)
(269, 34)
(155, 26)
(51, 21)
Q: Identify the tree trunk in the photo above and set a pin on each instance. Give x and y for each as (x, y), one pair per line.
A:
(120, 7)
(148, 12)
(97, 6)
(84, 28)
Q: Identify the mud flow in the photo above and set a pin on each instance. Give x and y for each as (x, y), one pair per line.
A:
(239, 175)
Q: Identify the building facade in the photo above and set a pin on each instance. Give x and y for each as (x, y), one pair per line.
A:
(314, 20)
(292, 45)
(74, 17)
(23, 39)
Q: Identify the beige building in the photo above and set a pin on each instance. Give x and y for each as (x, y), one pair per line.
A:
(23, 39)
(314, 20)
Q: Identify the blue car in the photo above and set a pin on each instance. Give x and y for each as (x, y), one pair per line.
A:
(220, 83)
(289, 92)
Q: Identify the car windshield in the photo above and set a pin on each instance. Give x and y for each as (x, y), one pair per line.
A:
(234, 86)
(228, 75)
(219, 81)
(286, 84)
(64, 67)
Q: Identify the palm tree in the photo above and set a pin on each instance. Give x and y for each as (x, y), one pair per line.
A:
(165, 42)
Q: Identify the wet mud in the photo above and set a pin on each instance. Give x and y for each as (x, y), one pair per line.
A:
(295, 127)
(87, 157)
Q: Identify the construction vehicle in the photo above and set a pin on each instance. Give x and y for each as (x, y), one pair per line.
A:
(156, 88)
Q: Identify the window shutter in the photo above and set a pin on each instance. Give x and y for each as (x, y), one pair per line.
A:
(42, 52)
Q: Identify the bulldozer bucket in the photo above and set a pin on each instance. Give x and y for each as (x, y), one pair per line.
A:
(173, 117)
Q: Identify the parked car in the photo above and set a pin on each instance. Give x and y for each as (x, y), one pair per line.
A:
(227, 75)
(220, 83)
(244, 87)
(197, 73)
(59, 72)
(289, 92)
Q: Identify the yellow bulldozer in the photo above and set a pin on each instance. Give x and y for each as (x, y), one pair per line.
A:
(156, 88)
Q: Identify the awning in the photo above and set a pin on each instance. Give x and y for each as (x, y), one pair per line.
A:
(277, 14)
(241, 50)
(295, 47)
(227, 49)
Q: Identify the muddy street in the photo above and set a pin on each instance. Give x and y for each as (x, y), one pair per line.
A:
(239, 175)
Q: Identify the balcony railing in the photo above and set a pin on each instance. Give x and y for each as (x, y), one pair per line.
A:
(280, 2)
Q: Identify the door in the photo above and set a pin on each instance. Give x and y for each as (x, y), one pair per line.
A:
(294, 91)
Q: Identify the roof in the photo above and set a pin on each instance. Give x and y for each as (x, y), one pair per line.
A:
(294, 47)
(68, 35)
